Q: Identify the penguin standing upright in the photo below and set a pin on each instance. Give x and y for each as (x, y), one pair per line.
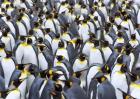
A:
(8, 65)
(8, 39)
(95, 55)
(21, 27)
(81, 65)
(30, 53)
(84, 31)
(106, 50)
(2, 51)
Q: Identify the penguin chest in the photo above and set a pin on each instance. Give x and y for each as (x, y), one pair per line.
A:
(6, 41)
(107, 52)
(12, 28)
(87, 47)
(55, 45)
(62, 52)
(14, 95)
(23, 89)
(8, 67)
(22, 29)
(27, 22)
(43, 64)
(118, 80)
(66, 37)
(50, 24)
(47, 37)
(29, 55)
(95, 57)
(2, 53)
(79, 65)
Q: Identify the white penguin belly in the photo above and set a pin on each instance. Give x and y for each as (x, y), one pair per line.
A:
(43, 64)
(8, 67)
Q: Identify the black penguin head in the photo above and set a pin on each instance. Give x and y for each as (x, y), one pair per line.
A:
(120, 60)
(77, 74)
(40, 40)
(68, 83)
(7, 6)
(8, 18)
(105, 44)
(61, 44)
(43, 74)
(22, 38)
(59, 58)
(100, 77)
(96, 43)
(82, 57)
(57, 36)
(58, 88)
(2, 45)
(5, 33)
(31, 32)
(29, 41)
(120, 34)
(48, 30)
(119, 27)
(36, 24)
(92, 37)
(55, 76)
(3, 94)
(123, 69)
(133, 37)
(20, 67)
(106, 69)
(78, 41)
(117, 14)
(8, 54)
(96, 18)
(17, 82)
(23, 1)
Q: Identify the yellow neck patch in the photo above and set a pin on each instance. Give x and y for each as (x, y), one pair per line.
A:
(135, 85)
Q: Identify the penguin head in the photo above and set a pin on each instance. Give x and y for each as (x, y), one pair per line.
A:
(29, 41)
(16, 83)
(2, 45)
(31, 32)
(78, 42)
(36, 24)
(58, 88)
(68, 83)
(43, 74)
(82, 57)
(61, 44)
(106, 69)
(77, 74)
(5, 34)
(59, 58)
(96, 43)
(119, 34)
(3, 94)
(105, 44)
(120, 60)
(47, 30)
(20, 67)
(133, 37)
(8, 54)
(91, 37)
(100, 77)
(57, 36)
(8, 18)
(123, 69)
(23, 38)
(40, 40)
